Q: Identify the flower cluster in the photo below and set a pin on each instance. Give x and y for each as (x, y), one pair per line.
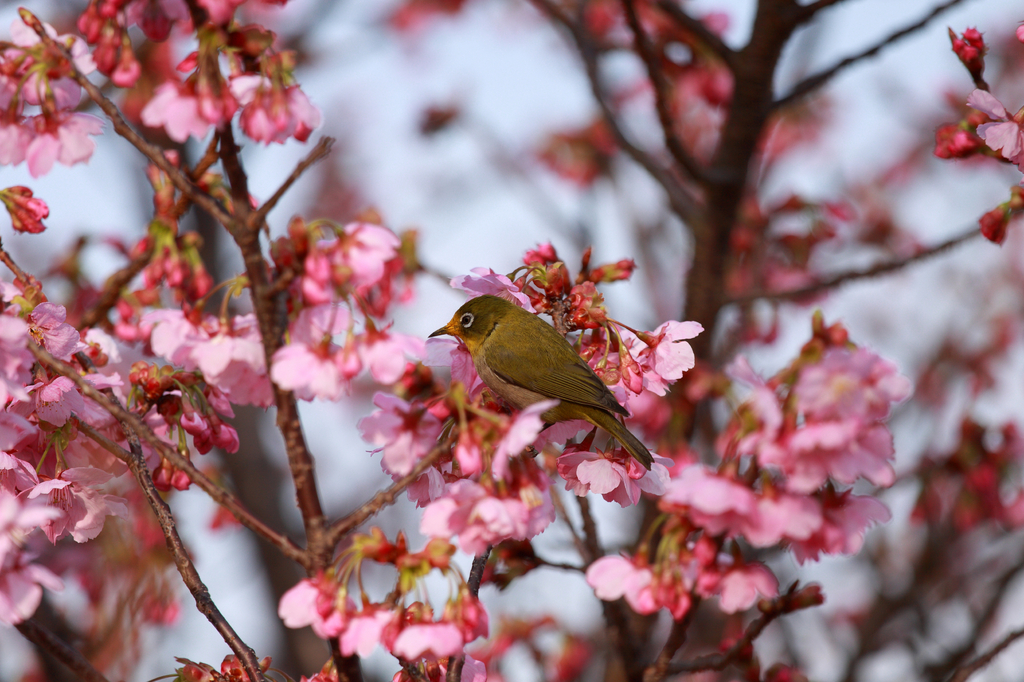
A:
(34, 75)
(408, 630)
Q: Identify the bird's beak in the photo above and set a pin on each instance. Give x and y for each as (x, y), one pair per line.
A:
(442, 331)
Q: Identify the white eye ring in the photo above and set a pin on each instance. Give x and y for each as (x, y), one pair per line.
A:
(467, 320)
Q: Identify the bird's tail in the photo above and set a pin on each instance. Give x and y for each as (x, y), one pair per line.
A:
(621, 433)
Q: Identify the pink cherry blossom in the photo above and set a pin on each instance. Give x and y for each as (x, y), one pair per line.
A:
(487, 281)
(365, 249)
(272, 114)
(230, 356)
(84, 508)
(385, 353)
(780, 516)
(1005, 134)
(47, 321)
(522, 431)
(667, 355)
(740, 587)
(176, 111)
(16, 475)
(481, 519)
(57, 400)
(24, 36)
(15, 359)
(453, 354)
(318, 602)
(14, 141)
(846, 519)
(614, 474)
(364, 630)
(843, 450)
(63, 138)
(18, 519)
(615, 577)
(850, 385)
(220, 11)
(404, 432)
(21, 588)
(714, 502)
(430, 640)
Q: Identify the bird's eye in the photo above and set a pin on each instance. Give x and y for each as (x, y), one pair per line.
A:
(467, 320)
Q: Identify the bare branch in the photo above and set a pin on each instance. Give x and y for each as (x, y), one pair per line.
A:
(476, 576)
(662, 93)
(216, 493)
(808, 11)
(699, 31)
(854, 275)
(812, 83)
(316, 154)
(965, 671)
(683, 202)
(382, 499)
(61, 650)
(113, 286)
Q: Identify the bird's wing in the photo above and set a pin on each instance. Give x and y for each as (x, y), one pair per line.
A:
(560, 374)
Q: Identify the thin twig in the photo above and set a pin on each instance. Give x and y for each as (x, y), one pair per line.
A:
(695, 26)
(382, 499)
(683, 203)
(476, 576)
(721, 660)
(676, 638)
(812, 83)
(113, 286)
(216, 493)
(121, 127)
(59, 649)
(965, 671)
(854, 275)
(316, 154)
(808, 11)
(614, 612)
(662, 93)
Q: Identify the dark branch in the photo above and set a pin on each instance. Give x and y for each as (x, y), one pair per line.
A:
(854, 275)
(699, 31)
(121, 127)
(682, 201)
(59, 649)
(812, 83)
(476, 576)
(320, 151)
(132, 428)
(381, 499)
(662, 93)
(965, 671)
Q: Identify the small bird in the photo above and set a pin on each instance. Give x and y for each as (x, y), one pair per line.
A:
(524, 360)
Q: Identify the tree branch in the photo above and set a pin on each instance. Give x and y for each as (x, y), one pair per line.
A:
(121, 127)
(682, 201)
(382, 499)
(182, 560)
(59, 649)
(965, 671)
(812, 83)
(662, 93)
(854, 275)
(476, 576)
(216, 493)
(316, 154)
(699, 31)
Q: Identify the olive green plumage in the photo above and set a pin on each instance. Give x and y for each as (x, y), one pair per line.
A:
(524, 360)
